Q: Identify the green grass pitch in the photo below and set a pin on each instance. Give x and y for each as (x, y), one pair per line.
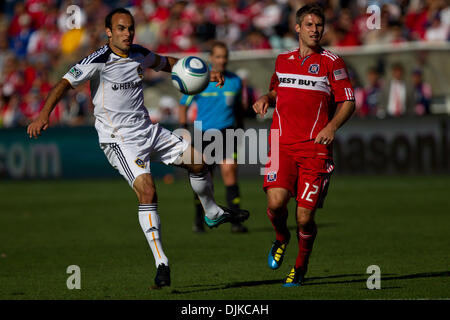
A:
(399, 223)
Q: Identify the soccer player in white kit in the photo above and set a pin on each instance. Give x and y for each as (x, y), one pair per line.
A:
(127, 136)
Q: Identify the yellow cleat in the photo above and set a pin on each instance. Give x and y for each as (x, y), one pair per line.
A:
(295, 278)
(276, 255)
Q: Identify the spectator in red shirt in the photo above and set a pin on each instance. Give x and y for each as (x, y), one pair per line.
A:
(344, 30)
(20, 14)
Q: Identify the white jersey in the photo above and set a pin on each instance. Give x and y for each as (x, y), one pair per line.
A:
(116, 90)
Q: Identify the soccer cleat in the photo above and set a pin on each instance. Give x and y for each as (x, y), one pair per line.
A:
(276, 255)
(295, 278)
(162, 278)
(228, 216)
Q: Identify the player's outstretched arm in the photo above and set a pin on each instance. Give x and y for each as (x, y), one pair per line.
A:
(169, 64)
(262, 104)
(343, 113)
(41, 122)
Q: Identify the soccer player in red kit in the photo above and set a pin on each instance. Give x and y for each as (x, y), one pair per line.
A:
(314, 98)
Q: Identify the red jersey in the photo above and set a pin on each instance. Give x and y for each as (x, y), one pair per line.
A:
(307, 92)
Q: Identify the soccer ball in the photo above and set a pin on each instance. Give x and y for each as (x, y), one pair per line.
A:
(190, 75)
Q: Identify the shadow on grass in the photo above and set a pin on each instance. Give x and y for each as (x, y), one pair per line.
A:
(292, 228)
(311, 281)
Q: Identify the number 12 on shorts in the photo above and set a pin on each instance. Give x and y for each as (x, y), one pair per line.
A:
(310, 193)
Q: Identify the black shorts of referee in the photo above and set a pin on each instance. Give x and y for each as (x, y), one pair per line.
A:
(216, 145)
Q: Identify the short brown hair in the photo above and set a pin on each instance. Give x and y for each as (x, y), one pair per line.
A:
(219, 44)
(309, 9)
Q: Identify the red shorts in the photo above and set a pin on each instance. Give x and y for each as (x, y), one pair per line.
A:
(306, 178)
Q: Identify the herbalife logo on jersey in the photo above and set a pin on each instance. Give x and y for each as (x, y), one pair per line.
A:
(126, 85)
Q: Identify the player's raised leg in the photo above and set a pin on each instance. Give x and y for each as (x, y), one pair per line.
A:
(277, 200)
(201, 183)
(149, 220)
(199, 219)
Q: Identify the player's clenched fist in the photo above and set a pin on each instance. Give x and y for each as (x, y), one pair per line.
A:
(34, 128)
(262, 104)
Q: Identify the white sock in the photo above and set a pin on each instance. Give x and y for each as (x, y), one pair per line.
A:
(203, 186)
(151, 225)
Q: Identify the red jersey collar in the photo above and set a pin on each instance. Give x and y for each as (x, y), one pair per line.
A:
(309, 55)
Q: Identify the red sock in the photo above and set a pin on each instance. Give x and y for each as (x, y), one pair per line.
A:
(279, 223)
(305, 245)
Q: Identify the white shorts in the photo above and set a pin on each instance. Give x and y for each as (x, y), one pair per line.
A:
(133, 158)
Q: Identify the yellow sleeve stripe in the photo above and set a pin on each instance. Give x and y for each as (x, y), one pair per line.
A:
(189, 100)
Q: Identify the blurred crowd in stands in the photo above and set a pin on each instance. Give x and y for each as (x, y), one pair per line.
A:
(38, 43)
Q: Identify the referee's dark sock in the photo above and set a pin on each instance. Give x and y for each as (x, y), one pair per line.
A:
(233, 197)
(234, 203)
